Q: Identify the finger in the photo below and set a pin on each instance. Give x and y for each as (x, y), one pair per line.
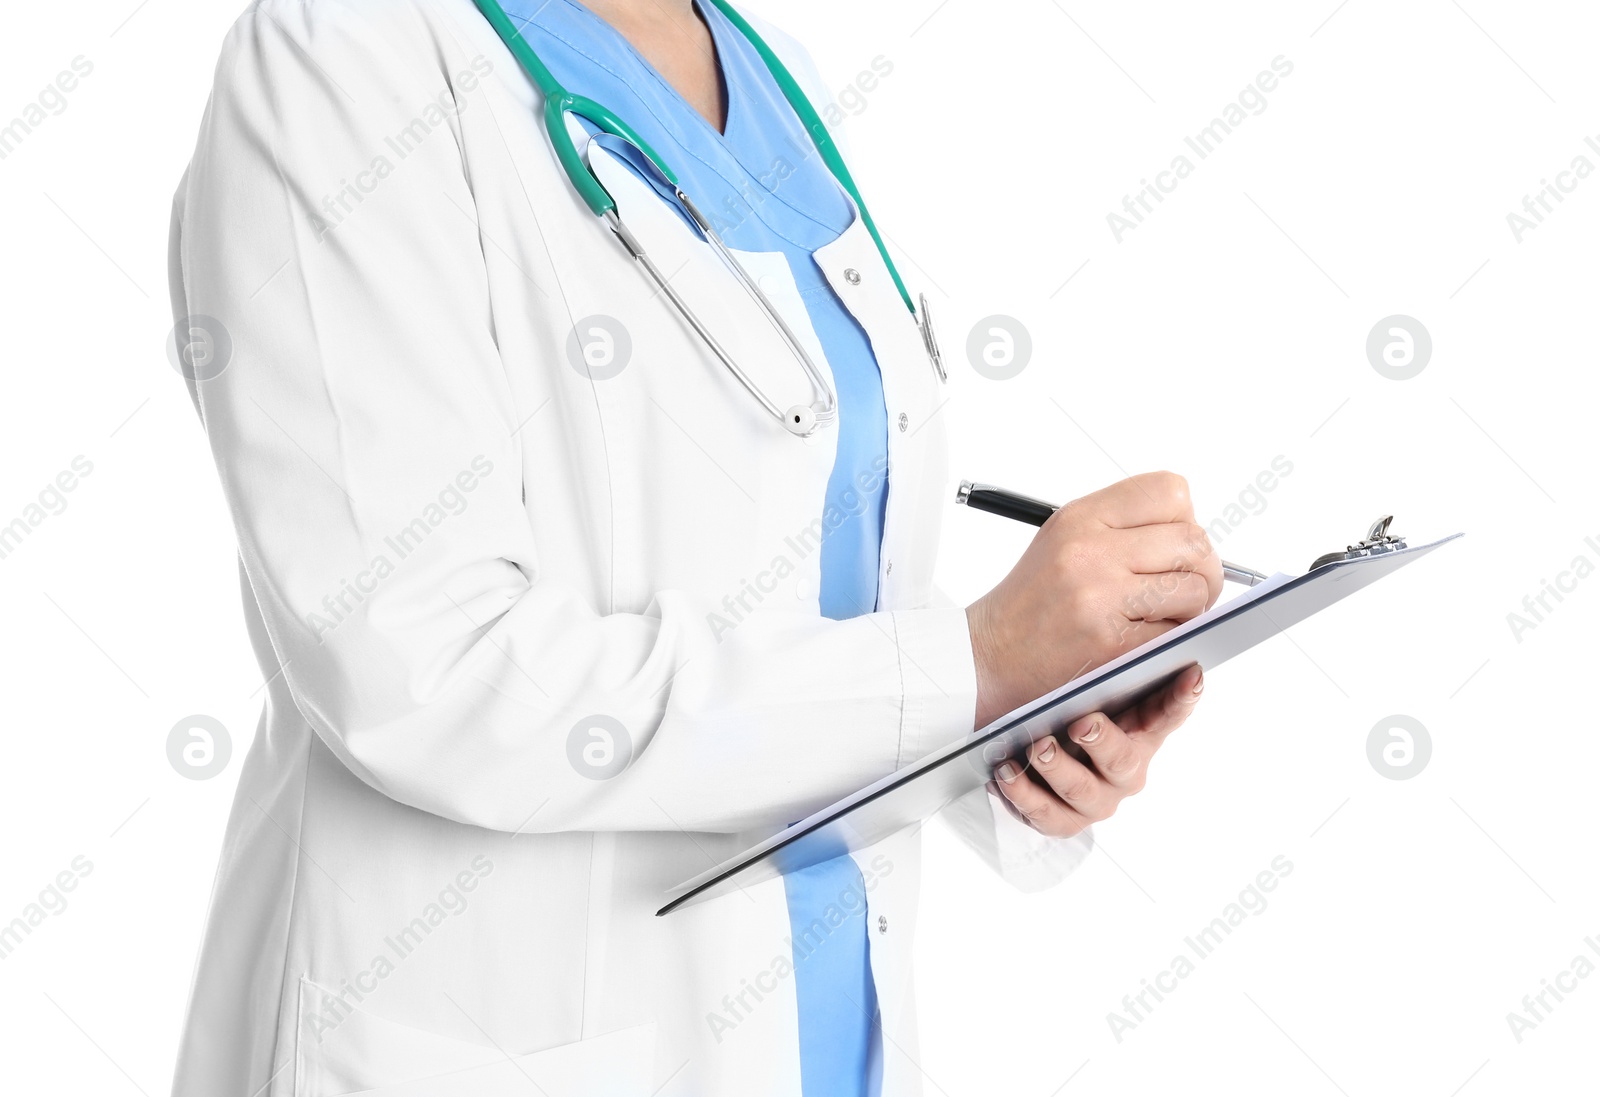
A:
(1211, 568)
(1170, 546)
(1119, 760)
(1164, 711)
(1169, 596)
(1011, 809)
(1150, 497)
(1127, 635)
(1173, 546)
(1074, 783)
(1040, 807)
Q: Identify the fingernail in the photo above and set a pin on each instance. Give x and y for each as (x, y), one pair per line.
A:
(1046, 751)
(1199, 682)
(1007, 772)
(1092, 734)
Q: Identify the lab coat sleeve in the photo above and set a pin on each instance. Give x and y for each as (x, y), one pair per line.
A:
(358, 427)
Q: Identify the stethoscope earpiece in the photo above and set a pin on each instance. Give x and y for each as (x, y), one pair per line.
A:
(800, 420)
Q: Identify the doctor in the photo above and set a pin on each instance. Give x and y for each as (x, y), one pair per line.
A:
(554, 610)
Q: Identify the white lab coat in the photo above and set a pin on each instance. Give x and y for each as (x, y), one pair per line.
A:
(462, 554)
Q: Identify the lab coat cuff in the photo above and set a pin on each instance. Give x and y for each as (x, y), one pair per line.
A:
(1024, 858)
(1030, 861)
(939, 683)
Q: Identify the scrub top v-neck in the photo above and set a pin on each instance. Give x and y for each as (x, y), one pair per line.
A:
(764, 188)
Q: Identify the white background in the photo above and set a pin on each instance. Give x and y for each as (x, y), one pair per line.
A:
(1227, 329)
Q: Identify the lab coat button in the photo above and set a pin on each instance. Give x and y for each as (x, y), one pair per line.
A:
(852, 276)
(768, 284)
(905, 421)
(883, 924)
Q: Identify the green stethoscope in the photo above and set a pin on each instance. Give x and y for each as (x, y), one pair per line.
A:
(800, 419)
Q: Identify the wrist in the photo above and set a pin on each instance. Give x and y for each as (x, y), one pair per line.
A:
(985, 662)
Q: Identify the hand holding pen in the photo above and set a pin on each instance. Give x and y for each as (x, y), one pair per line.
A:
(1008, 504)
(1103, 575)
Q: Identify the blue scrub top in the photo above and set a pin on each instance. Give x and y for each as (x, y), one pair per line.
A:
(764, 187)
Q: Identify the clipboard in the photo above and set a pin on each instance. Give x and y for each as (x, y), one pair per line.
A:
(919, 790)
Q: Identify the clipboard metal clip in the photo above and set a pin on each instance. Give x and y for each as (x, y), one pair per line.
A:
(1377, 541)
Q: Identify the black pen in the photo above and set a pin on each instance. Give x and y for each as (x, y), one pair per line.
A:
(1008, 504)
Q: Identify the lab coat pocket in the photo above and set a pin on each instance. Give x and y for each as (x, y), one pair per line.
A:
(359, 1054)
